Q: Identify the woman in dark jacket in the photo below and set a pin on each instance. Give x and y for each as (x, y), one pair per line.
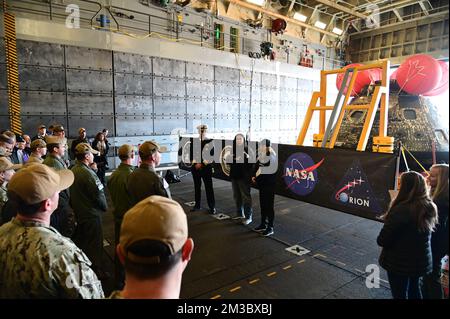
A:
(101, 159)
(265, 177)
(438, 181)
(240, 175)
(405, 237)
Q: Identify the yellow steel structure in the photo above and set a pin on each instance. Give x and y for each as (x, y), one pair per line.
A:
(12, 71)
(381, 143)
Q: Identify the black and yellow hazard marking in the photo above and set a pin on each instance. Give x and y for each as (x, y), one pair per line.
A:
(273, 273)
(287, 267)
(12, 71)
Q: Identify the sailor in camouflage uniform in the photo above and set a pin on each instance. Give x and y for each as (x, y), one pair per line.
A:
(36, 261)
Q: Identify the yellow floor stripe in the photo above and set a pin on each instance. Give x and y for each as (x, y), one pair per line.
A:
(301, 261)
(235, 289)
(254, 281)
(319, 255)
(287, 267)
(216, 297)
(271, 274)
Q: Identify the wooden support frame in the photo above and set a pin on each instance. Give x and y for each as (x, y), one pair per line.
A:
(382, 142)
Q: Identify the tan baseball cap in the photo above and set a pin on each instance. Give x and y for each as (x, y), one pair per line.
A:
(84, 148)
(6, 139)
(38, 182)
(81, 129)
(148, 148)
(37, 144)
(58, 128)
(6, 165)
(154, 218)
(125, 150)
(51, 139)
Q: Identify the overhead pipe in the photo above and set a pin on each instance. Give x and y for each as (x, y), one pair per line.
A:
(280, 16)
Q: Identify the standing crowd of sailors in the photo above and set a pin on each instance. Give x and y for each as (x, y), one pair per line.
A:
(52, 233)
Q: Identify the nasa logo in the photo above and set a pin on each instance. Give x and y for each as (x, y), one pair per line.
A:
(300, 173)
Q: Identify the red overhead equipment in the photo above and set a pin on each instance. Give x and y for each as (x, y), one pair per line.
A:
(419, 74)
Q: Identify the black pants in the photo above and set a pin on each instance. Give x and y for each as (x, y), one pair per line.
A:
(101, 173)
(119, 272)
(404, 287)
(204, 173)
(89, 238)
(266, 202)
(431, 283)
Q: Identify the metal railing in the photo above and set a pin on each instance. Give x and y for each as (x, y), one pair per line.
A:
(170, 27)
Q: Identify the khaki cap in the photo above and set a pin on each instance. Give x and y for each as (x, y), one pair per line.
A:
(154, 218)
(37, 182)
(37, 144)
(51, 139)
(125, 150)
(202, 127)
(6, 165)
(81, 129)
(84, 148)
(149, 148)
(6, 139)
(58, 128)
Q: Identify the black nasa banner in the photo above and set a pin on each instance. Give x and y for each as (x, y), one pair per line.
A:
(353, 182)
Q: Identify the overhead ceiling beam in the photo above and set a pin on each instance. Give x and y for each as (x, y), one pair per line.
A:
(397, 5)
(328, 28)
(399, 17)
(432, 18)
(425, 10)
(280, 16)
(342, 8)
(313, 14)
(291, 6)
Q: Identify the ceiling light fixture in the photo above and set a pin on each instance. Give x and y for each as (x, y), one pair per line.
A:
(300, 17)
(257, 2)
(320, 25)
(337, 31)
